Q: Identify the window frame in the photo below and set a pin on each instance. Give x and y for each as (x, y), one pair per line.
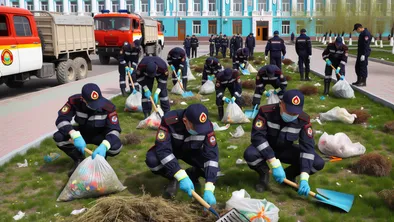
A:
(7, 26)
(285, 27)
(212, 24)
(23, 24)
(196, 27)
(237, 27)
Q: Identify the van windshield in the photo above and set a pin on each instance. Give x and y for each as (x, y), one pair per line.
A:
(115, 23)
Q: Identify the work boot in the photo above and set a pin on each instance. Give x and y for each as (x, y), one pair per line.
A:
(264, 177)
(307, 77)
(292, 172)
(357, 82)
(124, 94)
(75, 155)
(302, 77)
(171, 189)
(326, 88)
(363, 82)
(146, 114)
(221, 113)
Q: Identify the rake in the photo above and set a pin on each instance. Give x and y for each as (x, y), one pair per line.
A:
(184, 94)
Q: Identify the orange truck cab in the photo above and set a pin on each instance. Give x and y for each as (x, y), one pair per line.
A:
(113, 29)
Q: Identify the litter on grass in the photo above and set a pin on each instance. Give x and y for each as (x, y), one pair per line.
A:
(19, 215)
(51, 157)
(239, 131)
(184, 103)
(339, 145)
(76, 212)
(25, 164)
(205, 100)
(338, 114)
(232, 147)
(216, 127)
(240, 161)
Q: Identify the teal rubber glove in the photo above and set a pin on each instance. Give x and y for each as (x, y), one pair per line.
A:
(100, 150)
(186, 185)
(134, 91)
(127, 69)
(303, 188)
(277, 171)
(267, 93)
(227, 100)
(342, 77)
(211, 78)
(79, 142)
(156, 98)
(328, 62)
(233, 100)
(147, 92)
(283, 57)
(179, 73)
(209, 197)
(337, 70)
(276, 92)
(173, 68)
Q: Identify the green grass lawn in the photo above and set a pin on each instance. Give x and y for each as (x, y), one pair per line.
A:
(34, 189)
(387, 56)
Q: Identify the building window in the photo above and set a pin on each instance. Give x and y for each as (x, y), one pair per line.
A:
(285, 27)
(300, 6)
(196, 27)
(22, 26)
(182, 6)
(144, 6)
(59, 6)
(250, 2)
(115, 7)
(212, 5)
(333, 5)
(197, 6)
(212, 27)
(73, 7)
(101, 6)
(380, 26)
(44, 6)
(319, 27)
(300, 25)
(364, 6)
(237, 5)
(379, 6)
(286, 6)
(30, 7)
(88, 8)
(130, 6)
(160, 5)
(15, 4)
(262, 5)
(349, 5)
(319, 5)
(237, 27)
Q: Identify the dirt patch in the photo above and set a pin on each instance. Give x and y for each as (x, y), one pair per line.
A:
(308, 90)
(131, 139)
(226, 60)
(362, 116)
(258, 61)
(198, 69)
(288, 78)
(389, 127)
(249, 84)
(287, 62)
(388, 197)
(248, 99)
(373, 164)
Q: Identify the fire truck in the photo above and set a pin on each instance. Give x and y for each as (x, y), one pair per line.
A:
(113, 29)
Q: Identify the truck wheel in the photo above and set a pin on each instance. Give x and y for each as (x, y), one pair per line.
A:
(66, 72)
(14, 84)
(158, 50)
(81, 68)
(104, 60)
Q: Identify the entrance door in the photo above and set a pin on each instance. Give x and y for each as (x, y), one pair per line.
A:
(265, 33)
(259, 35)
(181, 30)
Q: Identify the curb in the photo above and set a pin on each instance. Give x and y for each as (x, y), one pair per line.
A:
(376, 60)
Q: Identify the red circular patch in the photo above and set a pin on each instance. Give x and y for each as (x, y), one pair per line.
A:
(94, 95)
(6, 57)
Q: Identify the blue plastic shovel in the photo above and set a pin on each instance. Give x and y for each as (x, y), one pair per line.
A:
(251, 114)
(185, 94)
(340, 200)
(244, 70)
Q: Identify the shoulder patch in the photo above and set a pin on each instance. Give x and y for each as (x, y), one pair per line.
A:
(74, 99)
(113, 117)
(66, 108)
(259, 123)
(171, 120)
(211, 139)
(161, 134)
(267, 108)
(308, 130)
(305, 117)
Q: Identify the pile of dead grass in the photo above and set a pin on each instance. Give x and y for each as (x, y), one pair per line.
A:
(198, 69)
(389, 127)
(249, 84)
(131, 139)
(308, 90)
(288, 78)
(250, 58)
(140, 209)
(388, 197)
(258, 61)
(362, 116)
(247, 99)
(287, 62)
(226, 60)
(373, 164)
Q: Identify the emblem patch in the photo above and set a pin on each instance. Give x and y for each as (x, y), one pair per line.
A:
(366, 38)
(6, 57)
(310, 132)
(114, 119)
(259, 124)
(65, 109)
(94, 95)
(217, 84)
(296, 100)
(183, 59)
(161, 135)
(203, 117)
(212, 140)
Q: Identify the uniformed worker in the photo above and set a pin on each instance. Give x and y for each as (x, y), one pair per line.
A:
(128, 60)
(304, 51)
(218, 43)
(212, 66)
(241, 58)
(187, 44)
(250, 43)
(238, 42)
(363, 52)
(228, 78)
(269, 74)
(194, 44)
(224, 45)
(186, 135)
(336, 55)
(97, 121)
(177, 58)
(232, 46)
(149, 69)
(212, 45)
(275, 129)
(277, 49)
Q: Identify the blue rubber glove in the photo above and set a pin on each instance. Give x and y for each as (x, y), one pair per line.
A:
(304, 188)
(185, 184)
(134, 91)
(277, 171)
(209, 197)
(227, 100)
(342, 77)
(211, 78)
(100, 150)
(147, 92)
(267, 93)
(233, 100)
(79, 142)
(276, 92)
(127, 69)
(337, 70)
(328, 62)
(156, 98)
(283, 57)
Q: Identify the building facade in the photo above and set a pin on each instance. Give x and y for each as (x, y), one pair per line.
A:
(206, 17)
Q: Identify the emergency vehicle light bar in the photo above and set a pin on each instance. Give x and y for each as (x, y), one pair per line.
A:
(104, 11)
(123, 11)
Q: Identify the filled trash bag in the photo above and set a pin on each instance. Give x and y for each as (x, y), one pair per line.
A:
(342, 89)
(153, 121)
(251, 208)
(134, 102)
(338, 114)
(177, 89)
(190, 75)
(234, 114)
(339, 145)
(251, 69)
(92, 178)
(207, 88)
(273, 98)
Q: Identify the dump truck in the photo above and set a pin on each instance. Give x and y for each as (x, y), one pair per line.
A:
(113, 29)
(44, 44)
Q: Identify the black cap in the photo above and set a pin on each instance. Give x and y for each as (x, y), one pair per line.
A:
(245, 51)
(303, 30)
(209, 61)
(356, 26)
(224, 35)
(91, 93)
(294, 101)
(151, 69)
(276, 33)
(338, 41)
(198, 115)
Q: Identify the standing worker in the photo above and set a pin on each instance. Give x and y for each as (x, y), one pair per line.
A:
(241, 58)
(97, 121)
(149, 69)
(250, 43)
(232, 46)
(211, 67)
(187, 44)
(238, 43)
(275, 130)
(224, 45)
(194, 44)
(128, 57)
(363, 52)
(186, 134)
(228, 78)
(218, 43)
(212, 45)
(303, 48)
(335, 55)
(292, 37)
(277, 49)
(269, 74)
(177, 58)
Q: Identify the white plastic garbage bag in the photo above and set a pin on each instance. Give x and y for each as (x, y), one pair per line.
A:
(216, 127)
(251, 69)
(92, 178)
(239, 131)
(153, 121)
(190, 76)
(338, 114)
(342, 89)
(273, 98)
(339, 145)
(177, 89)
(207, 88)
(133, 102)
(234, 114)
(241, 201)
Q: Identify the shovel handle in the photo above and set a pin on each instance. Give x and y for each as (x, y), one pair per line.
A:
(178, 78)
(334, 69)
(204, 203)
(131, 79)
(88, 151)
(292, 184)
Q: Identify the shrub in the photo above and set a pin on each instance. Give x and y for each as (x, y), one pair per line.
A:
(373, 164)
